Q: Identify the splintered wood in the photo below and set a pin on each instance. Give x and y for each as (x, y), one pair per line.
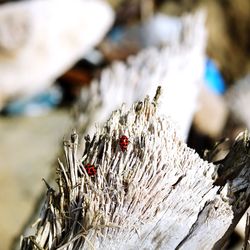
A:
(155, 194)
(172, 66)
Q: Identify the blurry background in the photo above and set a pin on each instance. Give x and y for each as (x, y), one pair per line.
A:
(51, 50)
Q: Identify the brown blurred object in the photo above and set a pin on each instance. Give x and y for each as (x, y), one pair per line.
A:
(229, 36)
(113, 51)
(28, 148)
(115, 3)
(238, 101)
(228, 24)
(176, 7)
(211, 117)
(129, 11)
(73, 80)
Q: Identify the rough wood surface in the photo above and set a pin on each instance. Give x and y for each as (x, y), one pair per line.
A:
(158, 194)
(172, 66)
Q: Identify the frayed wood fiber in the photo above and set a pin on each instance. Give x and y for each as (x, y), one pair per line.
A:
(178, 66)
(157, 194)
(238, 99)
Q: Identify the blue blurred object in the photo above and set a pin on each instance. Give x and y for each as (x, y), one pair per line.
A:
(35, 105)
(117, 34)
(213, 78)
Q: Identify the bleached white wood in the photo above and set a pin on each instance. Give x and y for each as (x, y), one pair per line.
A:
(178, 67)
(158, 194)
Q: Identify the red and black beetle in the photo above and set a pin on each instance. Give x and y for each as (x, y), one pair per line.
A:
(90, 169)
(123, 142)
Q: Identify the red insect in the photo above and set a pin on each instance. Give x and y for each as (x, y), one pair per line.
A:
(123, 142)
(91, 169)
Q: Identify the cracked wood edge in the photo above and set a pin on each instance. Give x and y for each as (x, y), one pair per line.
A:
(159, 194)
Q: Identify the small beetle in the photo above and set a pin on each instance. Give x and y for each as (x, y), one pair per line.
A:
(90, 169)
(123, 142)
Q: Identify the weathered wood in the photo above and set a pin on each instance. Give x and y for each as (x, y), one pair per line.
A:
(158, 194)
(140, 75)
(178, 66)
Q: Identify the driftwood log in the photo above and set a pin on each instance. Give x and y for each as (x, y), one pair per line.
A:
(130, 81)
(171, 66)
(155, 194)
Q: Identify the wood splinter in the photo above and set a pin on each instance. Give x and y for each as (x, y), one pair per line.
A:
(162, 197)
